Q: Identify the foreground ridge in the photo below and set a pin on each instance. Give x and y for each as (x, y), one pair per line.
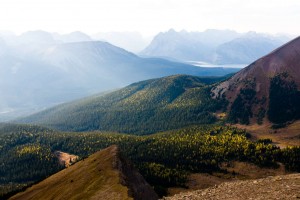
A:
(103, 175)
(275, 187)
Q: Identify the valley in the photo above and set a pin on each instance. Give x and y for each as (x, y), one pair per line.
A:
(61, 68)
(85, 119)
(165, 159)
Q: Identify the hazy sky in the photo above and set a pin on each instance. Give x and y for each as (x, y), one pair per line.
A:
(150, 16)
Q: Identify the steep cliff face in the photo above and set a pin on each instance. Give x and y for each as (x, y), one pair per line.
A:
(103, 175)
(131, 178)
(254, 89)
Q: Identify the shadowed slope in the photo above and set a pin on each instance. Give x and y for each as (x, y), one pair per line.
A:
(268, 84)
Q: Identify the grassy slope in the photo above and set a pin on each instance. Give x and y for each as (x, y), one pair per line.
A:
(92, 178)
(282, 137)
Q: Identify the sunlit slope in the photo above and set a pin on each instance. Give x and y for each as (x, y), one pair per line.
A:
(103, 175)
(141, 108)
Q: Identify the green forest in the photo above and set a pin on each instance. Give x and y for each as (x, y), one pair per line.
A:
(172, 102)
(146, 121)
(164, 159)
(142, 108)
(284, 103)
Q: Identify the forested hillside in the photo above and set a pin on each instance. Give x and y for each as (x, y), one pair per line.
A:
(141, 108)
(268, 89)
(164, 159)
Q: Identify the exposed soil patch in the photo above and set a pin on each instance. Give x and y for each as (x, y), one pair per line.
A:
(65, 159)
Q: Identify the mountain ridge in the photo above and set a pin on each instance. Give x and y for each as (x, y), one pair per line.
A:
(105, 174)
(213, 46)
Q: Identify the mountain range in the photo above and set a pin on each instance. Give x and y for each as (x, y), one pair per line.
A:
(131, 41)
(266, 90)
(39, 70)
(213, 46)
(184, 128)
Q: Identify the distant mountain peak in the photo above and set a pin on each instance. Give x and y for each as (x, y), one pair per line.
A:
(172, 31)
(212, 46)
(37, 36)
(75, 36)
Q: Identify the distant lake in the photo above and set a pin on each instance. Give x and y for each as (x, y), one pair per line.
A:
(204, 64)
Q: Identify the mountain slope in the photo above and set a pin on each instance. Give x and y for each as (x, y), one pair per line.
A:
(284, 187)
(176, 46)
(76, 36)
(246, 49)
(187, 46)
(213, 46)
(103, 175)
(269, 86)
(46, 74)
(141, 108)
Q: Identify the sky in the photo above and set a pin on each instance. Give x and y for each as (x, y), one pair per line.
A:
(150, 16)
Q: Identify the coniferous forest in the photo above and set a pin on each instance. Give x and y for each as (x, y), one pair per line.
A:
(164, 159)
(141, 108)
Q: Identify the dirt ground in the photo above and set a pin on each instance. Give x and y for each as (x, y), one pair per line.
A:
(65, 159)
(237, 171)
(283, 187)
(283, 137)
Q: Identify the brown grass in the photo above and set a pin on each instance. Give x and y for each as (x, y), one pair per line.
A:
(288, 136)
(92, 178)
